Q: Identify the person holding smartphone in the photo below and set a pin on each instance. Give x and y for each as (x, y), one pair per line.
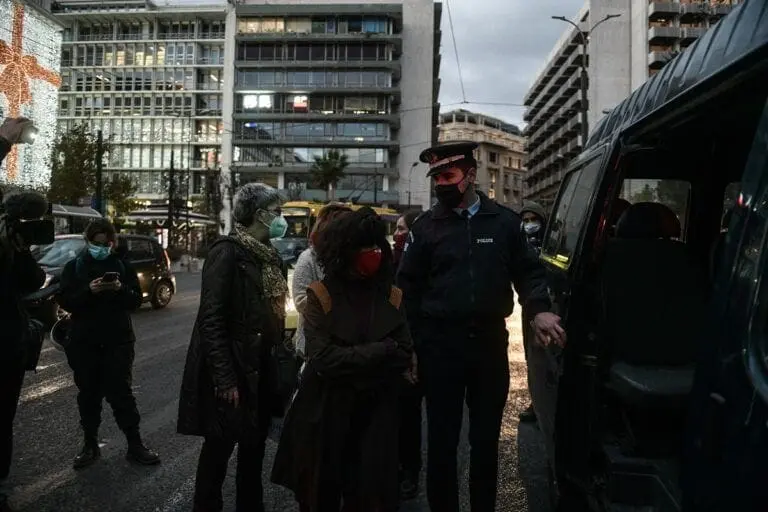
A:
(100, 291)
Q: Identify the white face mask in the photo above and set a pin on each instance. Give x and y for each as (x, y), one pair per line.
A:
(531, 227)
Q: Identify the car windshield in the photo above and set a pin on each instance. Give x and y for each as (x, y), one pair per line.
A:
(60, 252)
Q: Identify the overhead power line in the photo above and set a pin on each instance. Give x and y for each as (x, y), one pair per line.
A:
(456, 51)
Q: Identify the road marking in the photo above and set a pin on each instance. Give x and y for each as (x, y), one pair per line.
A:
(46, 388)
(177, 500)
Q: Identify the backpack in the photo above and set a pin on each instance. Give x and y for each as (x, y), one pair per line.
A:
(322, 294)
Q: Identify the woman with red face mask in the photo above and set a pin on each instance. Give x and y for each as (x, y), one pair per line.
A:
(400, 237)
(307, 269)
(340, 438)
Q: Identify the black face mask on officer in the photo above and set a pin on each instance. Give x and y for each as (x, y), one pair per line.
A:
(451, 195)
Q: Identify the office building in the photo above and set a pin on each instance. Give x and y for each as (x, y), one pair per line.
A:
(622, 53)
(150, 77)
(311, 77)
(500, 155)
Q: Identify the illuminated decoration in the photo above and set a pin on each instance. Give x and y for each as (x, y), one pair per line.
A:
(30, 53)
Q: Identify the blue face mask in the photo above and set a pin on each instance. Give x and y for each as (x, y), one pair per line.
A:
(278, 227)
(98, 252)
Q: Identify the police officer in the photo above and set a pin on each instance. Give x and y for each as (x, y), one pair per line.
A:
(460, 262)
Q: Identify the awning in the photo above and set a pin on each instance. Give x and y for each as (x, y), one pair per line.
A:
(59, 210)
(160, 216)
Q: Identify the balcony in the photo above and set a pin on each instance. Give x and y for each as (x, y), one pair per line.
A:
(660, 35)
(256, 139)
(393, 65)
(690, 34)
(662, 10)
(354, 169)
(657, 60)
(694, 11)
(318, 36)
(326, 116)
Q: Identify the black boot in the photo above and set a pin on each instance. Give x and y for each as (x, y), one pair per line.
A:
(528, 415)
(409, 485)
(139, 453)
(89, 454)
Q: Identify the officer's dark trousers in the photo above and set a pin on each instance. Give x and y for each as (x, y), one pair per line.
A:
(410, 428)
(105, 372)
(11, 379)
(212, 470)
(471, 365)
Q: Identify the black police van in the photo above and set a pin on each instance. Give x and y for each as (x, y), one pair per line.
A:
(659, 401)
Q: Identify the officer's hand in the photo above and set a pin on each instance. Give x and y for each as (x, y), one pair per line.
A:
(548, 330)
(13, 128)
(411, 374)
(231, 396)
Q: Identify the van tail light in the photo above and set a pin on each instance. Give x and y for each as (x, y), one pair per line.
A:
(167, 260)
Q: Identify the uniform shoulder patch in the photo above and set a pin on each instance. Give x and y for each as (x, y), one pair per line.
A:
(322, 294)
(396, 297)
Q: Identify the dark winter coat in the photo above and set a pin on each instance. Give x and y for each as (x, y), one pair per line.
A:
(342, 427)
(104, 317)
(19, 275)
(235, 330)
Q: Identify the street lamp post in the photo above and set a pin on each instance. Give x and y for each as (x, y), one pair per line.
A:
(584, 41)
(410, 175)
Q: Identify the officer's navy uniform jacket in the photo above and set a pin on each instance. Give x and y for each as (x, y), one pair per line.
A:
(459, 269)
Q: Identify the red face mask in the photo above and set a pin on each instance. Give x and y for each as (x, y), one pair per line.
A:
(400, 239)
(368, 262)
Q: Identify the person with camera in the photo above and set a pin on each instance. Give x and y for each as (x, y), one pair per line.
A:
(100, 291)
(20, 225)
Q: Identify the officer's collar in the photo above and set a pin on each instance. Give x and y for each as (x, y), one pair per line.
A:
(487, 207)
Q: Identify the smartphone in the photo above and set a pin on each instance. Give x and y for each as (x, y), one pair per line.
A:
(110, 277)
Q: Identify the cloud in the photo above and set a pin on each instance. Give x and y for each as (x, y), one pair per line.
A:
(503, 45)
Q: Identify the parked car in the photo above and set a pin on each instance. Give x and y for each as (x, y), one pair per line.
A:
(151, 262)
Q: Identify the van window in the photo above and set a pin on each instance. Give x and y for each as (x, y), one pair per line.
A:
(139, 249)
(674, 194)
(570, 212)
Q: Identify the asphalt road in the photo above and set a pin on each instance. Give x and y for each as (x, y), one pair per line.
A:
(48, 434)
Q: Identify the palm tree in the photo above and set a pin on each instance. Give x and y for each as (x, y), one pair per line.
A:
(328, 170)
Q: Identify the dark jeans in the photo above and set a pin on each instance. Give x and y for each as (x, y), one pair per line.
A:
(410, 428)
(212, 469)
(104, 372)
(476, 369)
(11, 380)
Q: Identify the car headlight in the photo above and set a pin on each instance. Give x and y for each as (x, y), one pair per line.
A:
(290, 307)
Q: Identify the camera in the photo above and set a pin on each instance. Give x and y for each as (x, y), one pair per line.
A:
(29, 134)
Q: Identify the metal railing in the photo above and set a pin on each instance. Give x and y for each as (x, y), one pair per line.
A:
(357, 139)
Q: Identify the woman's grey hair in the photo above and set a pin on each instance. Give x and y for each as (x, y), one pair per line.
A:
(251, 198)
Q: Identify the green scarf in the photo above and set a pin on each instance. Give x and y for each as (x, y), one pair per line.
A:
(275, 287)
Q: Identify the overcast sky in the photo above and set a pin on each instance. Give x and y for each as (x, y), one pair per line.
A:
(502, 46)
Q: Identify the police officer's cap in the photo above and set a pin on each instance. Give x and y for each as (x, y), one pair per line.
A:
(444, 156)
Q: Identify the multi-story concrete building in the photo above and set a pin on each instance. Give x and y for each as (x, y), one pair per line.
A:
(310, 77)
(622, 53)
(151, 78)
(500, 155)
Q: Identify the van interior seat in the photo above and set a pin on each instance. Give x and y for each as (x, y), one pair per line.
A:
(652, 302)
